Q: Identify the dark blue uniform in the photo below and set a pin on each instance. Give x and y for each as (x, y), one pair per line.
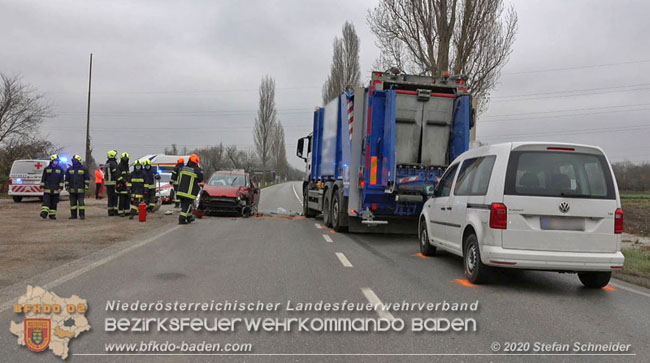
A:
(52, 184)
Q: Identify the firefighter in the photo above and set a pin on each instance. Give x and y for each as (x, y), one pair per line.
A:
(150, 185)
(137, 180)
(110, 180)
(52, 184)
(122, 185)
(189, 178)
(77, 182)
(174, 179)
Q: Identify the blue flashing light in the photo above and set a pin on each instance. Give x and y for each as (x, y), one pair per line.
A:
(19, 181)
(63, 159)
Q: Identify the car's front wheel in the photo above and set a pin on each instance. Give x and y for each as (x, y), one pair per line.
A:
(595, 280)
(18, 199)
(425, 246)
(475, 271)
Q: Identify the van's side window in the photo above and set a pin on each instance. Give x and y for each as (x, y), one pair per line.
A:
(474, 176)
(444, 186)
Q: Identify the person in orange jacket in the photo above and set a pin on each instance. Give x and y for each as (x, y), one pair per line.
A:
(99, 182)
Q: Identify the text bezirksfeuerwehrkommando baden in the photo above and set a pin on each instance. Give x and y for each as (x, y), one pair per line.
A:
(289, 306)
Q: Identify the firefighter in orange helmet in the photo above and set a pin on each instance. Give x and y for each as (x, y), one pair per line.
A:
(189, 178)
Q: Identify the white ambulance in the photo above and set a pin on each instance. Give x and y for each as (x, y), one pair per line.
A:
(25, 179)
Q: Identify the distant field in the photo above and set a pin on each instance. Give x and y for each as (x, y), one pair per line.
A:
(635, 195)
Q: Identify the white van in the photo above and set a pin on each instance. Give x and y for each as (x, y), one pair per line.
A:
(25, 178)
(528, 205)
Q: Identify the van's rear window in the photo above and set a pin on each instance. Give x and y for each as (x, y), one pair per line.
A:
(559, 174)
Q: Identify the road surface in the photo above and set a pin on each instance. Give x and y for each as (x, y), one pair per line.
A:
(276, 258)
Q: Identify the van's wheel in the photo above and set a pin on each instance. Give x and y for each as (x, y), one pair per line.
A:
(425, 246)
(306, 211)
(337, 211)
(327, 213)
(475, 271)
(594, 280)
(18, 199)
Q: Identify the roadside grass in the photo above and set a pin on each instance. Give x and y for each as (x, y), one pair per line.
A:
(637, 267)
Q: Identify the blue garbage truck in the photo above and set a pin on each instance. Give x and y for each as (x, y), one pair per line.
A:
(376, 153)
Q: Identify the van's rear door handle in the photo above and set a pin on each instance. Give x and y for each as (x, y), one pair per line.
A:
(443, 208)
(448, 208)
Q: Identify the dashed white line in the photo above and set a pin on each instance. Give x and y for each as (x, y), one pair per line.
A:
(379, 306)
(293, 187)
(318, 226)
(344, 260)
(327, 238)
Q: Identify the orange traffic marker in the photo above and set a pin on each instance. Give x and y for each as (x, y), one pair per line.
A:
(609, 288)
(332, 231)
(465, 282)
(419, 255)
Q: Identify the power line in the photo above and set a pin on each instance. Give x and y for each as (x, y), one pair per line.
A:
(574, 132)
(108, 92)
(565, 110)
(578, 67)
(564, 93)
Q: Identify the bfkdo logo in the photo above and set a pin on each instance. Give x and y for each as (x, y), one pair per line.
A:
(50, 322)
(37, 334)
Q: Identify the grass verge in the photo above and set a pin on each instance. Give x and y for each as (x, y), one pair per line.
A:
(637, 267)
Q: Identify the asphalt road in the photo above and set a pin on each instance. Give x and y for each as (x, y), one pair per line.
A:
(277, 258)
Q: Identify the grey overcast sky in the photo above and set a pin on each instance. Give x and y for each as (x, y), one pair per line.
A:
(187, 72)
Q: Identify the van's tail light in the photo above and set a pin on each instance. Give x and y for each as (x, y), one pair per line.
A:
(11, 181)
(498, 216)
(618, 221)
(362, 182)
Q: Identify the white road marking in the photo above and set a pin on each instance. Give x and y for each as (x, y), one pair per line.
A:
(344, 260)
(630, 289)
(379, 306)
(52, 284)
(318, 226)
(328, 238)
(293, 187)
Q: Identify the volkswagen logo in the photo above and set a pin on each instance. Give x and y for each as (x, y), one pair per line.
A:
(564, 207)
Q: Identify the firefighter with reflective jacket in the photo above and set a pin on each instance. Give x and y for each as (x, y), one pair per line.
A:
(137, 181)
(77, 182)
(174, 179)
(110, 180)
(52, 184)
(122, 185)
(189, 178)
(150, 185)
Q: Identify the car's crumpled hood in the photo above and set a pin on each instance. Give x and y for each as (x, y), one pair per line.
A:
(221, 191)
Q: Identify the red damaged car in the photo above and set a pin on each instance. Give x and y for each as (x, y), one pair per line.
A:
(229, 193)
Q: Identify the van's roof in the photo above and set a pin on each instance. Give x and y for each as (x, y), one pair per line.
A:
(530, 145)
(47, 161)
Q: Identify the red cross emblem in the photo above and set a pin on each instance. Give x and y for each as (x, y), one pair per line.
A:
(38, 166)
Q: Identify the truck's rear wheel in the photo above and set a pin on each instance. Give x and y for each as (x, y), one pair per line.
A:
(327, 211)
(594, 280)
(18, 199)
(337, 211)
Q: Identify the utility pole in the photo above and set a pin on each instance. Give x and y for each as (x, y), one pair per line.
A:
(90, 77)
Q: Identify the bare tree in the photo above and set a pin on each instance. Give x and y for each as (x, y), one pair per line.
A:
(279, 150)
(265, 121)
(212, 158)
(173, 150)
(21, 110)
(344, 71)
(470, 37)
